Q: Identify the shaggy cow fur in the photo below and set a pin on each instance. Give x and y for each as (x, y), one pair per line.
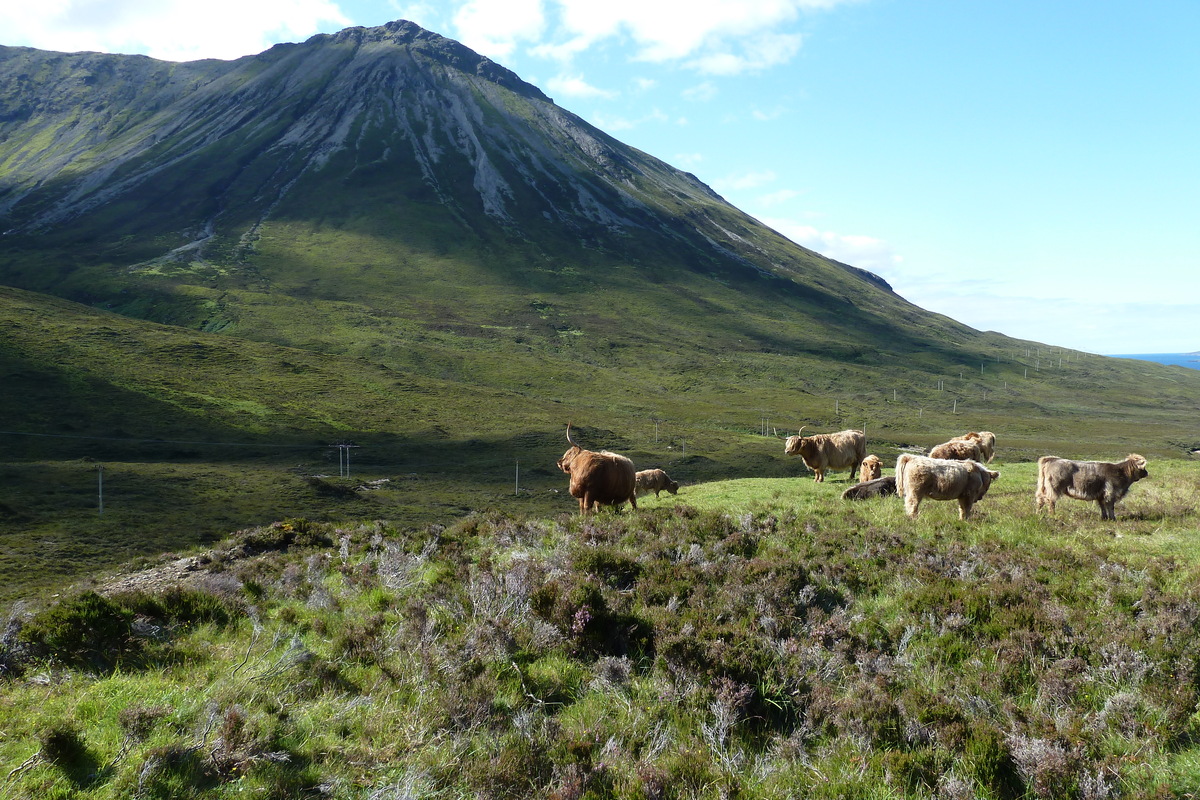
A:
(919, 477)
(654, 480)
(826, 451)
(880, 487)
(1100, 481)
(987, 443)
(958, 450)
(872, 468)
(598, 478)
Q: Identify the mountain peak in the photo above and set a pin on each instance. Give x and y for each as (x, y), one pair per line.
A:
(435, 46)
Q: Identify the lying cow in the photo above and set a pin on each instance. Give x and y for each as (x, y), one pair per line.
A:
(1101, 481)
(872, 468)
(880, 487)
(598, 478)
(654, 480)
(826, 451)
(958, 450)
(920, 477)
(987, 443)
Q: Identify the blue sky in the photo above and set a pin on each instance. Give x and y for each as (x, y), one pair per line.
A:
(1025, 167)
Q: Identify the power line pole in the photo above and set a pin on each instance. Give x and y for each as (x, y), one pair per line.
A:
(344, 458)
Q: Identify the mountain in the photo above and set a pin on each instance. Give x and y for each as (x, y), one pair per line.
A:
(380, 236)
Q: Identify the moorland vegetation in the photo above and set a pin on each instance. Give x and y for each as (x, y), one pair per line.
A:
(288, 346)
(755, 638)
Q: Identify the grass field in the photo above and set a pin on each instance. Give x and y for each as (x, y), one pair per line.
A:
(754, 638)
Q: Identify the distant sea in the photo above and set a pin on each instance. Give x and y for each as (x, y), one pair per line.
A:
(1179, 359)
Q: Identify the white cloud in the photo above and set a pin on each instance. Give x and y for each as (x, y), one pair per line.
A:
(767, 116)
(644, 84)
(700, 93)
(747, 180)
(749, 54)
(429, 15)
(166, 29)
(778, 198)
(610, 124)
(716, 37)
(494, 29)
(576, 86)
(867, 252)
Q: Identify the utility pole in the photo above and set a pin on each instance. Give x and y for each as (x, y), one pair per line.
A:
(100, 486)
(343, 458)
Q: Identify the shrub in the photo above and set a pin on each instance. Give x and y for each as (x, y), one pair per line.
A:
(86, 631)
(179, 606)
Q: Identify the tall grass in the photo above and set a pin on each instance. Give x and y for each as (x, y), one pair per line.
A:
(754, 638)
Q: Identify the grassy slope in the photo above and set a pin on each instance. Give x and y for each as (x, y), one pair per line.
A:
(202, 434)
(757, 638)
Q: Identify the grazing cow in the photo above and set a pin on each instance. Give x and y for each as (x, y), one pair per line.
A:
(957, 450)
(872, 468)
(826, 451)
(919, 477)
(987, 443)
(880, 487)
(1101, 481)
(654, 480)
(598, 478)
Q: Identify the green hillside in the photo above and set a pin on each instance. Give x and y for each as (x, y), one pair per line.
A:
(213, 274)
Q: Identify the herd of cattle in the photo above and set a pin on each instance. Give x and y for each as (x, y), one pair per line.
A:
(954, 470)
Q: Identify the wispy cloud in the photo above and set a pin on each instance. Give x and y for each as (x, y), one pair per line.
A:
(778, 198)
(867, 252)
(701, 92)
(767, 116)
(496, 29)
(168, 29)
(576, 86)
(618, 123)
(712, 37)
(745, 180)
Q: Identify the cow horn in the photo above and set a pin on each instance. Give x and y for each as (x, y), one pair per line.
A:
(801, 431)
(569, 439)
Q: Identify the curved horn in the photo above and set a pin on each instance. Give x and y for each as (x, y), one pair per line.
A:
(801, 431)
(569, 439)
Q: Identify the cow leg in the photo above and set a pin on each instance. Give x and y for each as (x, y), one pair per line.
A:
(964, 508)
(633, 501)
(912, 504)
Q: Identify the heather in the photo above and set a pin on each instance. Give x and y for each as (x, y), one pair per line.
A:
(753, 639)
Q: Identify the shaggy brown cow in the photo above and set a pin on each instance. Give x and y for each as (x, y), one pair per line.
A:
(880, 487)
(654, 480)
(957, 450)
(987, 443)
(598, 478)
(872, 468)
(826, 451)
(1101, 481)
(919, 477)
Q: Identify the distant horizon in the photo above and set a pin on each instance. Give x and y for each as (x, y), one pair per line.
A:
(1186, 360)
(1126, 355)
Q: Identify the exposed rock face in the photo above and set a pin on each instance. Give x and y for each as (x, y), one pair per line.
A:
(190, 159)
